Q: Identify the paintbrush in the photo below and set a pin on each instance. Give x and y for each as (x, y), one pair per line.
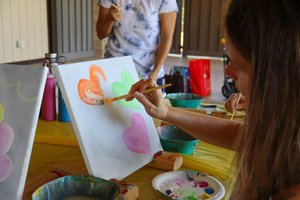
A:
(109, 100)
(234, 112)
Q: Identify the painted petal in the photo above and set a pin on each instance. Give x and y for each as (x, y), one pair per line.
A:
(6, 137)
(136, 136)
(90, 91)
(123, 87)
(6, 167)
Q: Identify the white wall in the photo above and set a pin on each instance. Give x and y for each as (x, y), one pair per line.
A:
(23, 30)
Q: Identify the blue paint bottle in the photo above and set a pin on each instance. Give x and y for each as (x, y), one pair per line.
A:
(63, 114)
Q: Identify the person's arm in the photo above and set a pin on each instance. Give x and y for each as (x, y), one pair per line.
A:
(167, 26)
(217, 131)
(106, 19)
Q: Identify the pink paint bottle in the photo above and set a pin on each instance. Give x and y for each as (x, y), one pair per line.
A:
(48, 103)
(49, 99)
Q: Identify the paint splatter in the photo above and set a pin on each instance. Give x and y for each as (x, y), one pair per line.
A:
(90, 91)
(180, 182)
(136, 136)
(6, 139)
(123, 87)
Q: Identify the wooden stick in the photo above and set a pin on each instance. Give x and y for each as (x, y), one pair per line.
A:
(234, 112)
(166, 161)
(65, 170)
(109, 100)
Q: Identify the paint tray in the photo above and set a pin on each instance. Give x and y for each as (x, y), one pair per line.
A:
(184, 100)
(175, 140)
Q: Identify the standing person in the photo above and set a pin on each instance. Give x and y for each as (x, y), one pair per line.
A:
(140, 28)
(263, 42)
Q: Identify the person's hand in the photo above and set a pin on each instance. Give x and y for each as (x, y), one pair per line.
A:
(115, 12)
(152, 101)
(231, 104)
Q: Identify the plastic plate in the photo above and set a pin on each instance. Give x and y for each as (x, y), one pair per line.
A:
(189, 185)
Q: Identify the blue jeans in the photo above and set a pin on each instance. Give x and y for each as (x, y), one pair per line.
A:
(161, 81)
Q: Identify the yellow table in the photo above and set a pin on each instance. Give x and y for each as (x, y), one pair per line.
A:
(46, 155)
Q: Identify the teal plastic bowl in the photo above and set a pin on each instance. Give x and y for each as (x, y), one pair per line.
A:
(175, 140)
(184, 100)
(77, 186)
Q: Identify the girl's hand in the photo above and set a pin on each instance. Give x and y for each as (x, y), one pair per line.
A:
(231, 104)
(152, 101)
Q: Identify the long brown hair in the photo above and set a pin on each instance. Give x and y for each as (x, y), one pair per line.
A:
(267, 34)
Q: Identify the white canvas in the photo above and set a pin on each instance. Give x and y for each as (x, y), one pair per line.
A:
(115, 139)
(21, 91)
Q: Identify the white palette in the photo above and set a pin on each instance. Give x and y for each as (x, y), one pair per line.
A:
(188, 184)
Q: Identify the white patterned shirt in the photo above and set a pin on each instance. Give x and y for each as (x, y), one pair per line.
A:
(137, 33)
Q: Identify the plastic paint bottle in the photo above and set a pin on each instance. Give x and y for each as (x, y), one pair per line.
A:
(48, 103)
(50, 100)
(63, 114)
(48, 110)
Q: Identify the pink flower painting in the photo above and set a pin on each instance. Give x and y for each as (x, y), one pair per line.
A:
(6, 139)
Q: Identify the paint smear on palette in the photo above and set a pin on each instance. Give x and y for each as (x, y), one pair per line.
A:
(179, 188)
(90, 91)
(136, 136)
(6, 139)
(123, 87)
